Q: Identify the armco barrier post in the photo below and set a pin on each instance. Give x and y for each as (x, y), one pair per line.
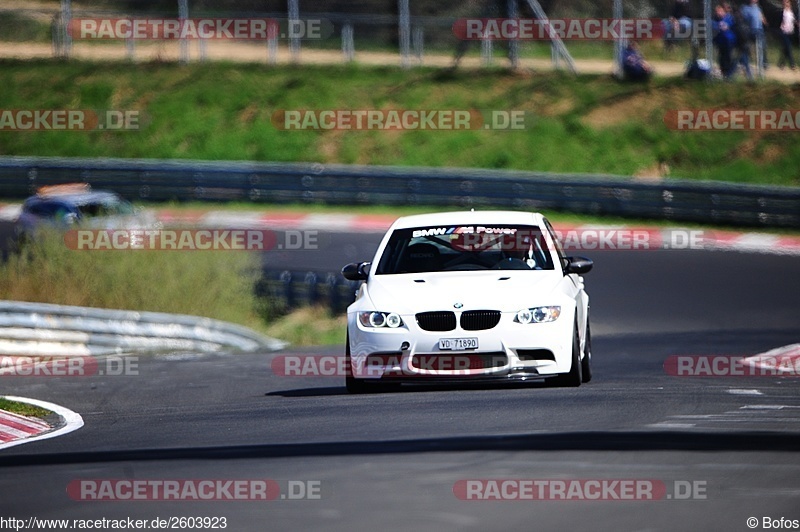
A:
(309, 289)
(286, 288)
(330, 292)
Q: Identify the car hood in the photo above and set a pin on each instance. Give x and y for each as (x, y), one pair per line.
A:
(502, 290)
(143, 220)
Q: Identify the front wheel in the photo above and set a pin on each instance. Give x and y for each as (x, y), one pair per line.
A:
(355, 385)
(586, 363)
(575, 375)
(352, 384)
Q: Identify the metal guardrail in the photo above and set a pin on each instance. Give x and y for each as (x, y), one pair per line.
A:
(40, 329)
(163, 180)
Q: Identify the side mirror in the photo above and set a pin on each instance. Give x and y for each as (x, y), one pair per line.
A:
(578, 265)
(356, 271)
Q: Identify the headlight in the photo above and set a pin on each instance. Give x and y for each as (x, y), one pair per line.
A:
(538, 314)
(393, 321)
(377, 319)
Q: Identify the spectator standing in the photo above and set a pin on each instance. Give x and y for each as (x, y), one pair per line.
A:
(754, 17)
(724, 39)
(741, 31)
(788, 23)
(679, 23)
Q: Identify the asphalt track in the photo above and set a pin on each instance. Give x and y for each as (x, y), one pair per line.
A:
(391, 461)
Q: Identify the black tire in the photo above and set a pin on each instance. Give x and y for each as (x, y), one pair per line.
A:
(586, 363)
(355, 385)
(352, 384)
(575, 375)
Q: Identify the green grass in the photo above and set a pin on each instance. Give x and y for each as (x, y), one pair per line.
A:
(310, 326)
(216, 284)
(222, 111)
(23, 409)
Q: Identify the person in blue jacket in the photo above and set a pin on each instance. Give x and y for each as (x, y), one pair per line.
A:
(634, 66)
(724, 39)
(754, 17)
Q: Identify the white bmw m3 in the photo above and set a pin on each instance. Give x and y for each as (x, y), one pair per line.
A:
(468, 296)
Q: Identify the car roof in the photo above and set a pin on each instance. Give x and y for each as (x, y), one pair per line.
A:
(469, 217)
(81, 198)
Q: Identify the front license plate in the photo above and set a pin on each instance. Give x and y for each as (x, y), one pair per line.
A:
(457, 344)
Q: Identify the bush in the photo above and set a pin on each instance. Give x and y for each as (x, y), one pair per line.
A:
(216, 284)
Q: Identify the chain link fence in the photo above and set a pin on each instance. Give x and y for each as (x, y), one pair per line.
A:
(411, 30)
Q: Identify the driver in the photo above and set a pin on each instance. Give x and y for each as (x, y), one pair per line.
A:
(518, 253)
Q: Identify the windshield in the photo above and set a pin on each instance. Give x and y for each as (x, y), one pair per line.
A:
(459, 248)
(106, 208)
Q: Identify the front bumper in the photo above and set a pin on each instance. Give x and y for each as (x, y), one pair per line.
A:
(508, 351)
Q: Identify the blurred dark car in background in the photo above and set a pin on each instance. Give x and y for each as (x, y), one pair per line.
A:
(63, 207)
